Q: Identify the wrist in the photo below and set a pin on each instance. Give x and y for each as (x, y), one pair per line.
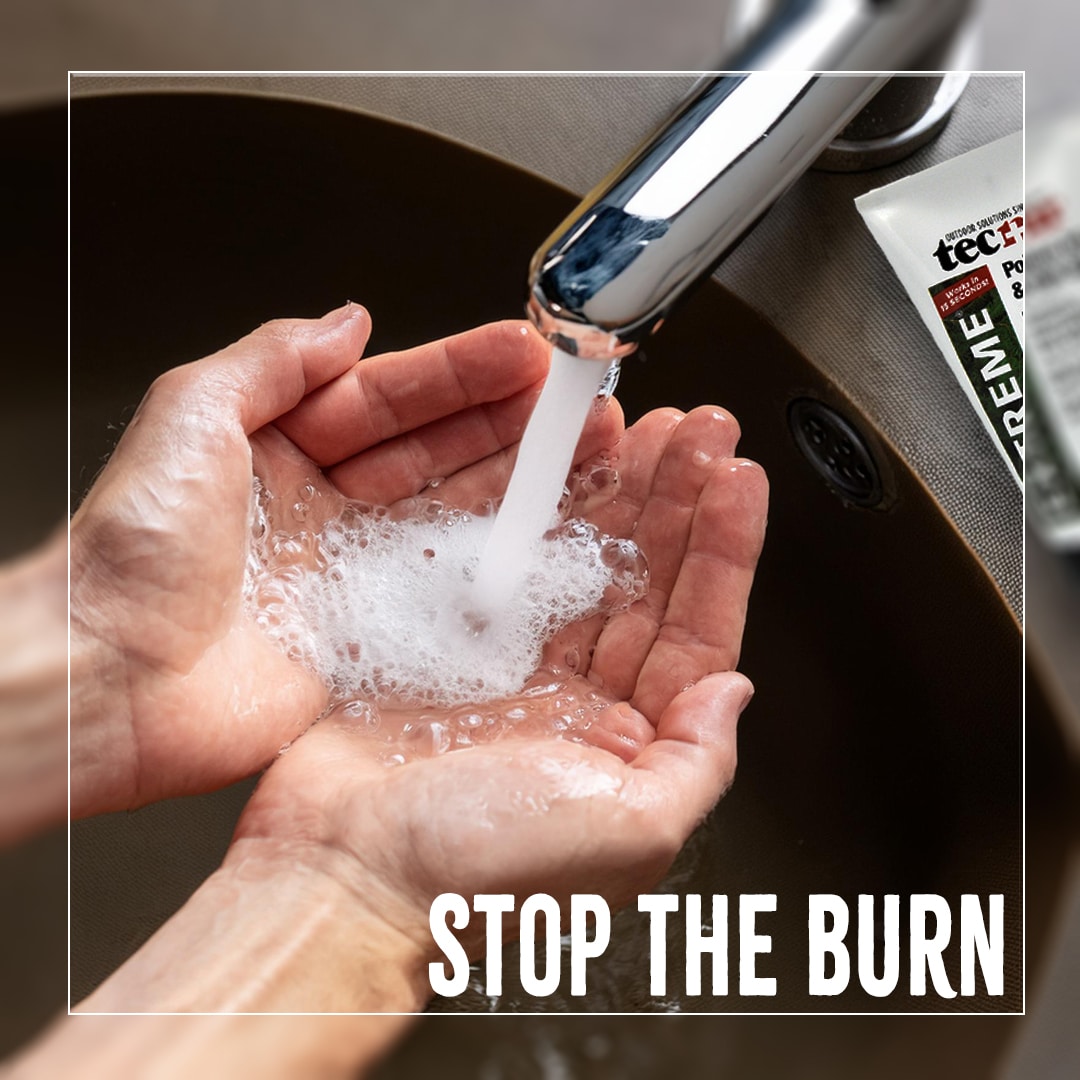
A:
(104, 757)
(273, 930)
(372, 960)
(33, 690)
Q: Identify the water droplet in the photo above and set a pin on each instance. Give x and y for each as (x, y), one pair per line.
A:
(440, 737)
(363, 716)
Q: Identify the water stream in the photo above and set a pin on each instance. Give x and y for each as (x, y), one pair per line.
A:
(532, 496)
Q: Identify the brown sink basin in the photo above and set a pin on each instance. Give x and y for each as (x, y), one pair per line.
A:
(883, 750)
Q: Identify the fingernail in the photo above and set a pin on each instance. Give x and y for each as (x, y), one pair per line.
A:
(747, 698)
(348, 310)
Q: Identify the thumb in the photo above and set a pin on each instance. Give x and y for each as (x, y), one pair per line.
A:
(263, 375)
(694, 754)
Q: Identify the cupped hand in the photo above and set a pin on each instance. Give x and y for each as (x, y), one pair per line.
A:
(531, 811)
(174, 689)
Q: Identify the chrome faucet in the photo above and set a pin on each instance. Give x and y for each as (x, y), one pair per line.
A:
(609, 274)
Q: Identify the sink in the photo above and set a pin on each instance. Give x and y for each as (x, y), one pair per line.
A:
(883, 750)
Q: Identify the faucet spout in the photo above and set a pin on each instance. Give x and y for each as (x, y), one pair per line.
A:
(608, 275)
(610, 272)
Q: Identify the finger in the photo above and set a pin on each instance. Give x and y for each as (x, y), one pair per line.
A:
(295, 497)
(389, 395)
(702, 626)
(663, 530)
(263, 375)
(471, 487)
(620, 730)
(400, 468)
(694, 754)
(636, 458)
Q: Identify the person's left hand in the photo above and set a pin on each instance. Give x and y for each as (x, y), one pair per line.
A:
(174, 688)
(532, 812)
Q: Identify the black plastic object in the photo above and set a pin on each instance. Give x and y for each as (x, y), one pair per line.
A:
(834, 447)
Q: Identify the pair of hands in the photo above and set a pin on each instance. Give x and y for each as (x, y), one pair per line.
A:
(176, 691)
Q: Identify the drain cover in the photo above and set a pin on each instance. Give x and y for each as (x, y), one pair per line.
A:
(836, 450)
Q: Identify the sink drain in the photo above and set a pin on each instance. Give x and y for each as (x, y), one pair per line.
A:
(836, 450)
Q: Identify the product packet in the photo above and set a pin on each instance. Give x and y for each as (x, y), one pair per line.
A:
(954, 237)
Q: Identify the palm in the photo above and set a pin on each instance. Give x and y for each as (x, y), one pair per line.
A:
(530, 812)
(159, 546)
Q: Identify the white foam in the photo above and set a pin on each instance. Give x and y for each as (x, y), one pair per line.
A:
(379, 606)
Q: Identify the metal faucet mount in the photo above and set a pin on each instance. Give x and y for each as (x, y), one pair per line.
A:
(609, 274)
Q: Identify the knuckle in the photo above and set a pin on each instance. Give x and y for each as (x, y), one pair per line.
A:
(279, 330)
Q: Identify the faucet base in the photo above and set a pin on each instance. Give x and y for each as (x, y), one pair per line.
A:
(931, 98)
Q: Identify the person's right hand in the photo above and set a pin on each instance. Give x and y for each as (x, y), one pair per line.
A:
(174, 688)
(532, 811)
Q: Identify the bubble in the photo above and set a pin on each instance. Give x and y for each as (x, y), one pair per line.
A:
(362, 716)
(601, 479)
(377, 604)
(541, 690)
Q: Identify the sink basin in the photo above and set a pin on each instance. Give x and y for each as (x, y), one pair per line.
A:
(882, 753)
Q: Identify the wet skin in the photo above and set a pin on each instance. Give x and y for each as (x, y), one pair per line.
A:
(182, 693)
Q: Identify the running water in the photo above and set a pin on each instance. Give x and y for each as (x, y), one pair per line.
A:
(536, 485)
(435, 610)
